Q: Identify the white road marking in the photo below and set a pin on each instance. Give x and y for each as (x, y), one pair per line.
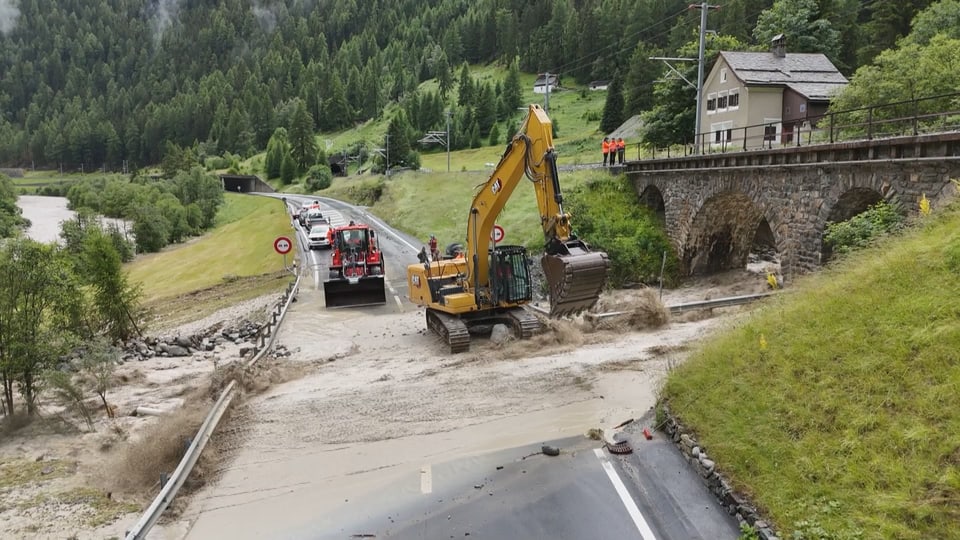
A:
(426, 479)
(389, 231)
(399, 303)
(628, 501)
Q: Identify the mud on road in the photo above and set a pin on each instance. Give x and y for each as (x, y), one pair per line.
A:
(380, 393)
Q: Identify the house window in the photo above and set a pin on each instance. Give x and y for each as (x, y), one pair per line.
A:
(787, 109)
(721, 132)
(723, 75)
(711, 103)
(733, 100)
(803, 107)
(769, 132)
(722, 101)
(771, 129)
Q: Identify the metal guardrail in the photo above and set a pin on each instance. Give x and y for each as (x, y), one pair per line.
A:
(675, 309)
(266, 337)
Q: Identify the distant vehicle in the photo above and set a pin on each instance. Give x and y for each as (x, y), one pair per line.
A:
(314, 217)
(302, 216)
(319, 235)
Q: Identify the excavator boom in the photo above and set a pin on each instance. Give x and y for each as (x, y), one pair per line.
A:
(491, 282)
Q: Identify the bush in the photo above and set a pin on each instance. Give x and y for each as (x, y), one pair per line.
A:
(608, 218)
(367, 193)
(151, 229)
(318, 177)
(860, 230)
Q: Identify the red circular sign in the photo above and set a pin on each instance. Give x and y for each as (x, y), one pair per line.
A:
(497, 233)
(283, 245)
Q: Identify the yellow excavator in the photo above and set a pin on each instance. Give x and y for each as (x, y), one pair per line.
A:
(488, 284)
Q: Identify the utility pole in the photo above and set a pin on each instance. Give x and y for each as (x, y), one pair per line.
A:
(386, 169)
(449, 113)
(703, 7)
(546, 97)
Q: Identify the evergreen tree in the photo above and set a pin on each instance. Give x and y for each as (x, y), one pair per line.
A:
(398, 139)
(303, 143)
(288, 170)
(613, 106)
(444, 76)
(486, 110)
(465, 89)
(277, 149)
(512, 90)
(638, 95)
(336, 109)
(494, 135)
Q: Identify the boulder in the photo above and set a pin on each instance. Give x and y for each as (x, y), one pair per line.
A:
(500, 334)
(177, 350)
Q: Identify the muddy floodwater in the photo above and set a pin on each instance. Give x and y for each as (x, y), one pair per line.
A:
(45, 215)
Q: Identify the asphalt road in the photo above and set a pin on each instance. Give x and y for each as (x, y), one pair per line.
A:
(517, 493)
(398, 249)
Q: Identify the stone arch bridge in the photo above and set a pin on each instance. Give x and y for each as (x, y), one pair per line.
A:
(719, 207)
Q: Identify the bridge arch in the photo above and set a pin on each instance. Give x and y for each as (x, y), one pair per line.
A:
(850, 203)
(725, 229)
(652, 198)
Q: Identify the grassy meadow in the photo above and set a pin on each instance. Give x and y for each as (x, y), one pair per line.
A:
(836, 406)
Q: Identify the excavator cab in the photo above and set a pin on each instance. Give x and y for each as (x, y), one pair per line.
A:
(510, 276)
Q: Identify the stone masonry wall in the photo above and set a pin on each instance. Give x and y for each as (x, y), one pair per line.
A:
(797, 200)
(734, 503)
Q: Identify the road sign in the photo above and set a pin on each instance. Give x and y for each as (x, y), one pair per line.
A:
(283, 245)
(497, 234)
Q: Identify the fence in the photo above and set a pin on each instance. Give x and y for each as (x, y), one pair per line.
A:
(933, 114)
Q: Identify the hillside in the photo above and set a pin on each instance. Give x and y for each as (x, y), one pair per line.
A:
(835, 405)
(109, 83)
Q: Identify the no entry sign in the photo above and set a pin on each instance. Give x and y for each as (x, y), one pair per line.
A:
(283, 245)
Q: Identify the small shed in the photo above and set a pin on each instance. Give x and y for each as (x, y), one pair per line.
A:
(540, 86)
(598, 85)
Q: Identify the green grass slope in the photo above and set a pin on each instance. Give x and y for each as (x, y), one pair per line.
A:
(240, 245)
(837, 406)
(430, 203)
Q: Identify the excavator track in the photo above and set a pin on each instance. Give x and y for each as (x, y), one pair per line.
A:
(575, 281)
(525, 324)
(451, 329)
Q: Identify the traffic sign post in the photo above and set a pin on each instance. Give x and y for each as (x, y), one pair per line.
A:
(283, 245)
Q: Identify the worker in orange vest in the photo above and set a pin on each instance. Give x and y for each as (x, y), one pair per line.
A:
(606, 150)
(621, 150)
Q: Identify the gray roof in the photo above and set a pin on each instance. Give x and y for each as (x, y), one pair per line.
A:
(804, 72)
(817, 91)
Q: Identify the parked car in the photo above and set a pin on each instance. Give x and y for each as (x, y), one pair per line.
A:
(318, 235)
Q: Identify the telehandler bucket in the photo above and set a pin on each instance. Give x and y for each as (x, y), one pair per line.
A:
(575, 279)
(351, 292)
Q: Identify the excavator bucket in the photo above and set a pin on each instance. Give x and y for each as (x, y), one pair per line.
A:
(366, 291)
(575, 280)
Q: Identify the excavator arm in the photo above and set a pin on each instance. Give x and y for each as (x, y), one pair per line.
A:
(575, 275)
